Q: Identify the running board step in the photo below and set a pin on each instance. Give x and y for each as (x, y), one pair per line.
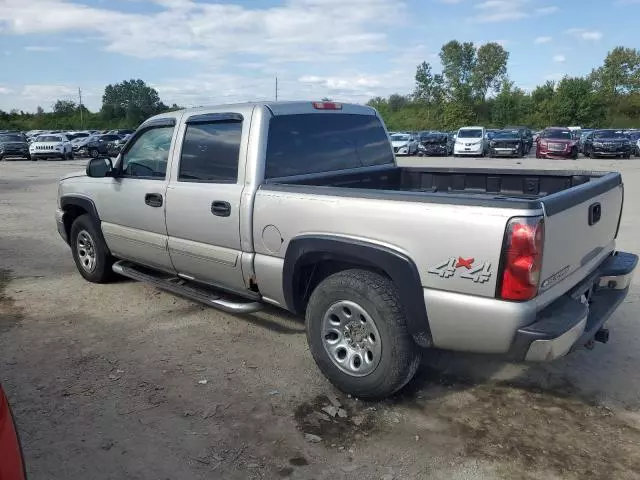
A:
(183, 288)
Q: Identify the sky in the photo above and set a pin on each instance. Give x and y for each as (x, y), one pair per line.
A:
(206, 52)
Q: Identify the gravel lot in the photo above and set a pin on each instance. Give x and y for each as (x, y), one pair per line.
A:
(124, 381)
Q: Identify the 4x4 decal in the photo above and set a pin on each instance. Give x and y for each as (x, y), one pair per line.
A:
(479, 273)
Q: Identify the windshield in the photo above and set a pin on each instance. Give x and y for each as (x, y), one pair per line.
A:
(48, 138)
(434, 137)
(399, 138)
(608, 134)
(11, 138)
(470, 133)
(558, 134)
(508, 134)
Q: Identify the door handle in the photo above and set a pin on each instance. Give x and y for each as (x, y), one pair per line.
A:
(153, 199)
(221, 209)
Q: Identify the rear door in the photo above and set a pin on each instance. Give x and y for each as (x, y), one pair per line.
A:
(580, 228)
(203, 200)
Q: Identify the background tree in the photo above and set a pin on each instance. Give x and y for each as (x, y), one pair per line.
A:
(489, 69)
(131, 102)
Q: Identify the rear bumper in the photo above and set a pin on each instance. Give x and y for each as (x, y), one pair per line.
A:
(574, 319)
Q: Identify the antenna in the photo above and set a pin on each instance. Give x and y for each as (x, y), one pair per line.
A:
(276, 89)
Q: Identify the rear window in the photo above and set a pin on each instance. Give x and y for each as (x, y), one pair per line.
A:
(315, 143)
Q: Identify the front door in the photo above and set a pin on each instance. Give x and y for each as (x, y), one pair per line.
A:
(132, 205)
(203, 202)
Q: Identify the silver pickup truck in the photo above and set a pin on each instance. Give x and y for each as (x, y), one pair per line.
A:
(301, 205)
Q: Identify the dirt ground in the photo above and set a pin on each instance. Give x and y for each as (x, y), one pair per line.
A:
(124, 381)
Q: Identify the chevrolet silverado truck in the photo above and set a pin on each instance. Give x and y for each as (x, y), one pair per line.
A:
(302, 206)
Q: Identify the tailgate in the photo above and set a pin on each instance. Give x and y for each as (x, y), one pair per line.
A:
(581, 224)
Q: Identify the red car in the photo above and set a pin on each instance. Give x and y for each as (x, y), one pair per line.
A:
(556, 142)
(11, 460)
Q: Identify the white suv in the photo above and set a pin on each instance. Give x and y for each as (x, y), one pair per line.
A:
(471, 141)
(51, 146)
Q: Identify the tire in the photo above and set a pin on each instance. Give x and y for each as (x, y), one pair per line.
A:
(94, 153)
(84, 233)
(626, 156)
(1, 158)
(70, 155)
(574, 153)
(371, 295)
(63, 156)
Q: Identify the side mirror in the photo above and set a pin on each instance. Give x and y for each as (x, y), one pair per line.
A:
(99, 167)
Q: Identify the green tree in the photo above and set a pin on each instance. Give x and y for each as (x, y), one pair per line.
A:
(131, 102)
(489, 69)
(576, 103)
(458, 63)
(64, 108)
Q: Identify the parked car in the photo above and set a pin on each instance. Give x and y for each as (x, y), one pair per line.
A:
(121, 131)
(583, 136)
(527, 137)
(509, 143)
(471, 141)
(634, 138)
(13, 145)
(607, 143)
(435, 143)
(51, 146)
(11, 457)
(556, 142)
(318, 219)
(102, 145)
(404, 144)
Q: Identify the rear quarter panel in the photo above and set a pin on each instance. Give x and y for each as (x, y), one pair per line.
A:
(455, 247)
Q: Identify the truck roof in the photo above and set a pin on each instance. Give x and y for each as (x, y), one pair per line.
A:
(276, 108)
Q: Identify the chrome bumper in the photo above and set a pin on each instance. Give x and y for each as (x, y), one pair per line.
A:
(573, 320)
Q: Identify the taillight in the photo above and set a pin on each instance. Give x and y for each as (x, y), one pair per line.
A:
(327, 106)
(522, 258)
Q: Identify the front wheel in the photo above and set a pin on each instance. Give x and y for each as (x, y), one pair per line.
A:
(357, 333)
(94, 153)
(574, 153)
(89, 250)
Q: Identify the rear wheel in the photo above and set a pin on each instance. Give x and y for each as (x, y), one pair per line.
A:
(357, 333)
(574, 153)
(626, 156)
(89, 251)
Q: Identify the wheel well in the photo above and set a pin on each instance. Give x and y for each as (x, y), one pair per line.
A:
(315, 267)
(71, 213)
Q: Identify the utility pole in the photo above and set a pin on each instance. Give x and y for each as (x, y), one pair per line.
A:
(276, 89)
(81, 119)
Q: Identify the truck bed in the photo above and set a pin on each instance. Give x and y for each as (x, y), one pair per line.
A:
(468, 186)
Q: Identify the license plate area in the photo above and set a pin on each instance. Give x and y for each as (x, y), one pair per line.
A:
(556, 147)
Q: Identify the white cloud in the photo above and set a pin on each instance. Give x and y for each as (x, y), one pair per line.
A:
(507, 10)
(546, 10)
(40, 48)
(541, 40)
(559, 58)
(584, 34)
(298, 30)
(450, 2)
(5, 90)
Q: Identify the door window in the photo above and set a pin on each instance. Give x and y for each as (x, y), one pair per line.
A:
(148, 155)
(210, 152)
